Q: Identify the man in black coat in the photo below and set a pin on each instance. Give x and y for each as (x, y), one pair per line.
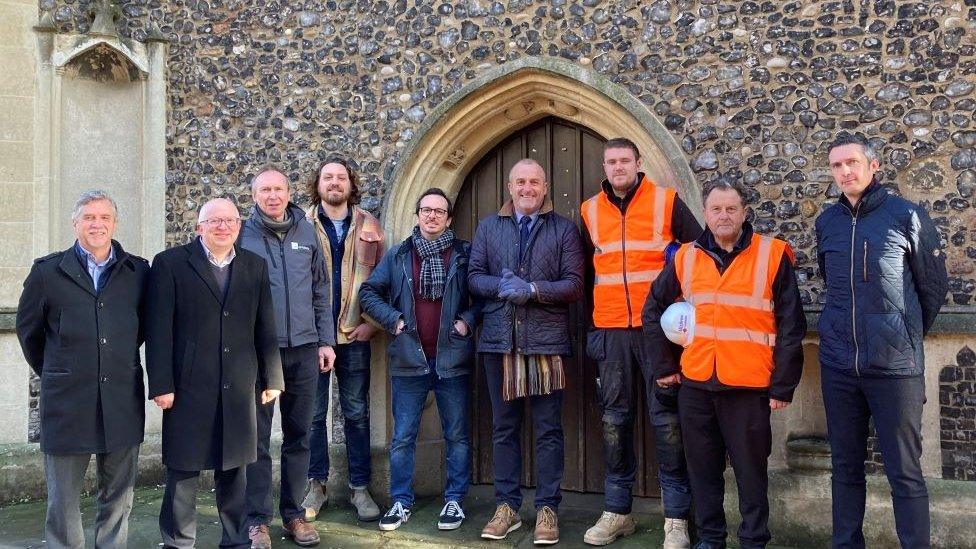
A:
(885, 280)
(527, 265)
(210, 340)
(80, 326)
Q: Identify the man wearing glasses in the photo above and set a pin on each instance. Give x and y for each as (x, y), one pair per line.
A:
(419, 293)
(210, 340)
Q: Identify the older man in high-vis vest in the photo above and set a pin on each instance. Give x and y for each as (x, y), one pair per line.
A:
(629, 223)
(743, 361)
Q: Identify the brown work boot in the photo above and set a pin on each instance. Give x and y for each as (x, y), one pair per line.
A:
(301, 532)
(505, 520)
(546, 527)
(260, 539)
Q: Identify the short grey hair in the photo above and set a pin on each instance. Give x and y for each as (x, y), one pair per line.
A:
(90, 196)
(724, 184)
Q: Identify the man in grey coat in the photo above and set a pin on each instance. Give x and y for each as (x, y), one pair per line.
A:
(278, 232)
(80, 326)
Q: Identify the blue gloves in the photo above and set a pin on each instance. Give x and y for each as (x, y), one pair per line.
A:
(513, 288)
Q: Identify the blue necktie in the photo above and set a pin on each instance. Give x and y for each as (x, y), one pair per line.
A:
(523, 235)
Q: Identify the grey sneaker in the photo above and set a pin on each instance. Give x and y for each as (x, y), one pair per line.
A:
(315, 498)
(366, 508)
(676, 534)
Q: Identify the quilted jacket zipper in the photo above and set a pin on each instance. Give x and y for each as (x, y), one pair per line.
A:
(857, 350)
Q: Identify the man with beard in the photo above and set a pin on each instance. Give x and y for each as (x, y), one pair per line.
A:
(527, 266)
(352, 243)
(278, 232)
(419, 293)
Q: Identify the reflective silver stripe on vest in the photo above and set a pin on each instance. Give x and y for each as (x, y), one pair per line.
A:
(636, 276)
(660, 201)
(762, 268)
(635, 245)
(755, 301)
(594, 223)
(734, 334)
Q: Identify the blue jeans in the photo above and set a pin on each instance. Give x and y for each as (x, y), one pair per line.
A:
(352, 374)
(895, 404)
(506, 439)
(453, 403)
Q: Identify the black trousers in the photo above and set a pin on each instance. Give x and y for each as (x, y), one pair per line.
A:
(300, 366)
(177, 517)
(716, 423)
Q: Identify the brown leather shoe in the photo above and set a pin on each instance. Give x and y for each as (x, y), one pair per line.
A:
(301, 532)
(504, 521)
(546, 527)
(260, 538)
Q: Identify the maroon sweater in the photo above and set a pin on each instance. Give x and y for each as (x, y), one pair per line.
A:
(427, 313)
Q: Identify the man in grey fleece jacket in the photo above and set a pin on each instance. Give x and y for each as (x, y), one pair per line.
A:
(278, 231)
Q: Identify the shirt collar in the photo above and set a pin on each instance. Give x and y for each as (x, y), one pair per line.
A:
(90, 257)
(532, 217)
(213, 260)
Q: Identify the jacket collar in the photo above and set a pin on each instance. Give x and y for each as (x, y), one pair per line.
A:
(197, 258)
(257, 218)
(71, 266)
(706, 241)
(873, 196)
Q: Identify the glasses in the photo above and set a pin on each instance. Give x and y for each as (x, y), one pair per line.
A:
(436, 212)
(215, 223)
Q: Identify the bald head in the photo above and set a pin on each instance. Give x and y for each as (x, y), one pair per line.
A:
(218, 225)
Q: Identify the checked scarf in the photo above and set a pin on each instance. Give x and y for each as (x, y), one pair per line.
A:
(432, 271)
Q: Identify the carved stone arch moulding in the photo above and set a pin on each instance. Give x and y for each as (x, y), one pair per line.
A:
(509, 97)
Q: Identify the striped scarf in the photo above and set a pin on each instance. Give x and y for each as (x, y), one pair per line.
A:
(525, 375)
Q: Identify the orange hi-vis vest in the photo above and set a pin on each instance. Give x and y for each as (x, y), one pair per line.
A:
(629, 251)
(735, 330)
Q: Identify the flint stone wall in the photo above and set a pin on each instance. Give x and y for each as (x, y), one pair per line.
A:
(750, 90)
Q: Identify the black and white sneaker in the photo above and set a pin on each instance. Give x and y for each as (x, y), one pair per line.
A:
(451, 516)
(393, 518)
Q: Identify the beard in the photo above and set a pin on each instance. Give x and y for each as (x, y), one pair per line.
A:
(335, 198)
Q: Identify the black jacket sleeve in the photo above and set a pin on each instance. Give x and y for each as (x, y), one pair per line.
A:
(791, 326)
(270, 374)
(31, 318)
(684, 225)
(160, 313)
(927, 263)
(374, 293)
(664, 354)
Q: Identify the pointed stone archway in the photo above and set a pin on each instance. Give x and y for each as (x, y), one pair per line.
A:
(509, 97)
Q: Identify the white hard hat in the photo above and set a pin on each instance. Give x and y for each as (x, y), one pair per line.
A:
(678, 322)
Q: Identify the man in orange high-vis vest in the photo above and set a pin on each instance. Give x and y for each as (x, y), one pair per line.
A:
(629, 223)
(743, 361)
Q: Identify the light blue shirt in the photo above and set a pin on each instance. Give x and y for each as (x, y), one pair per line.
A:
(95, 269)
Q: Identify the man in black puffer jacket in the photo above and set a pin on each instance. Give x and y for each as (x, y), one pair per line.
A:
(885, 280)
(527, 265)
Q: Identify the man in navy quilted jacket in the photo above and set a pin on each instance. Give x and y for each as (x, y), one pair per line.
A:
(885, 281)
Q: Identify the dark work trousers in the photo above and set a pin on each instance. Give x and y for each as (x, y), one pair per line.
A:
(177, 516)
(506, 441)
(65, 476)
(733, 422)
(619, 353)
(300, 366)
(352, 377)
(895, 404)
